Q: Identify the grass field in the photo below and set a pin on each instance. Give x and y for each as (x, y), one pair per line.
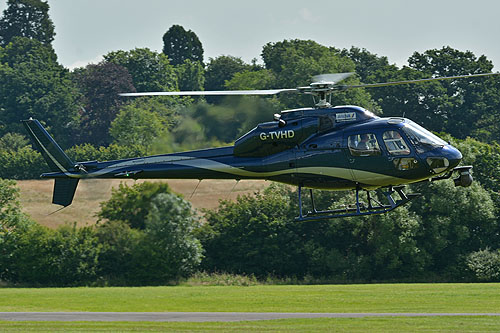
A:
(36, 197)
(458, 298)
(437, 298)
(395, 324)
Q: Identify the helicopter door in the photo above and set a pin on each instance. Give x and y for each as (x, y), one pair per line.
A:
(365, 158)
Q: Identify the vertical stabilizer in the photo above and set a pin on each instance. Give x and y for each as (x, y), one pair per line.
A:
(56, 158)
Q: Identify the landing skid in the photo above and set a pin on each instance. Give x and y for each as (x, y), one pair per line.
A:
(360, 208)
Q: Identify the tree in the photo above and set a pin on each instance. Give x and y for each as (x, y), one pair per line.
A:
(455, 222)
(131, 204)
(222, 69)
(190, 75)
(136, 125)
(254, 236)
(460, 104)
(295, 62)
(171, 247)
(13, 142)
(100, 85)
(180, 45)
(34, 84)
(150, 71)
(26, 18)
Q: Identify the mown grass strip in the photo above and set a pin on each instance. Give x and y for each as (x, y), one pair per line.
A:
(443, 298)
(394, 324)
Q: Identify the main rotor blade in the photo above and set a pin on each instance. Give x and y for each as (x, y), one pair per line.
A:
(331, 78)
(383, 84)
(210, 93)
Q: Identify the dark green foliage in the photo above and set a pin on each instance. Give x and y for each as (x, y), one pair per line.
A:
(33, 84)
(100, 85)
(295, 62)
(180, 45)
(87, 152)
(150, 70)
(136, 125)
(26, 18)
(24, 163)
(427, 240)
(37, 255)
(120, 258)
(13, 142)
(164, 251)
(455, 222)
(222, 69)
(190, 75)
(131, 204)
(170, 245)
(484, 264)
(254, 236)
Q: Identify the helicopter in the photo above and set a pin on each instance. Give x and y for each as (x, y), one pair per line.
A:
(322, 147)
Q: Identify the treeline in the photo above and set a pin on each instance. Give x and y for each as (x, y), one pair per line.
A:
(149, 236)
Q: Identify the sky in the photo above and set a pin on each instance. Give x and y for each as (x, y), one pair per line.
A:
(88, 29)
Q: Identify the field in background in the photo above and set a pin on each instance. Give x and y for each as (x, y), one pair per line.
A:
(36, 197)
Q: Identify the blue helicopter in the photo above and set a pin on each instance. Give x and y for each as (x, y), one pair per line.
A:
(323, 147)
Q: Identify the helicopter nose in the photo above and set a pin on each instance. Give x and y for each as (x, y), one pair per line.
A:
(453, 155)
(443, 159)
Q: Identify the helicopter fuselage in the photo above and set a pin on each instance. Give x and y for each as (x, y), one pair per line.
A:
(335, 148)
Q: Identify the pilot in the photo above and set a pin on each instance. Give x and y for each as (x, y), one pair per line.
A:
(363, 144)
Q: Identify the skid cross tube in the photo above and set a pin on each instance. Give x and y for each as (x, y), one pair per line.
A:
(359, 208)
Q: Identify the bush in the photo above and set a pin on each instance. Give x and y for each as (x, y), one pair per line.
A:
(170, 246)
(131, 204)
(485, 265)
(38, 255)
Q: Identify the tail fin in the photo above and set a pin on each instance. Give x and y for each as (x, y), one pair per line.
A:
(58, 161)
(55, 157)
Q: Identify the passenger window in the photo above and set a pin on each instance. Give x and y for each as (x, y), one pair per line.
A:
(395, 144)
(363, 145)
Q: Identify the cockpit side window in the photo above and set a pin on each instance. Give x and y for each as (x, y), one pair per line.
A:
(363, 145)
(325, 123)
(395, 144)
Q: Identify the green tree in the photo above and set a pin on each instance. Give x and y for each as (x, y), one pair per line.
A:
(190, 75)
(135, 125)
(100, 85)
(250, 80)
(295, 62)
(180, 45)
(222, 69)
(171, 247)
(131, 204)
(455, 222)
(34, 84)
(460, 104)
(254, 235)
(26, 18)
(13, 142)
(150, 70)
(119, 258)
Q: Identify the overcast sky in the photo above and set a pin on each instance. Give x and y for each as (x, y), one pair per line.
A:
(88, 29)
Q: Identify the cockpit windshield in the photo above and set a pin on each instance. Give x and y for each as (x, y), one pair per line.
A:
(422, 138)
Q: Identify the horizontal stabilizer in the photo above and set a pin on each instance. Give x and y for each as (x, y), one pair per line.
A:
(64, 191)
